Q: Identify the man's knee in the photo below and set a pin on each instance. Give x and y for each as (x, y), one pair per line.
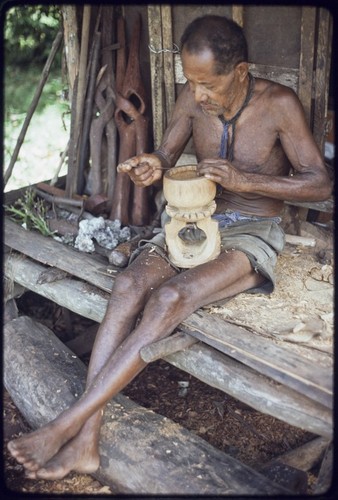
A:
(168, 298)
(127, 287)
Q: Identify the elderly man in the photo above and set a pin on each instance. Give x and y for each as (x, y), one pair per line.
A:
(249, 135)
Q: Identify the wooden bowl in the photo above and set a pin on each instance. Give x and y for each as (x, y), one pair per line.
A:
(183, 188)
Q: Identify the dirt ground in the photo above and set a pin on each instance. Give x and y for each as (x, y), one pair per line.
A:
(226, 423)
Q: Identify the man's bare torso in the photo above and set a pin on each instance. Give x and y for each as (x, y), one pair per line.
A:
(257, 146)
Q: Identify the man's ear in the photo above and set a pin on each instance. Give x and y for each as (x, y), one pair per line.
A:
(242, 70)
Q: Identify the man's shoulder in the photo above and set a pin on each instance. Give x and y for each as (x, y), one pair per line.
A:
(270, 89)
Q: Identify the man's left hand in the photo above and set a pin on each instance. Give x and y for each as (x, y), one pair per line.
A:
(224, 173)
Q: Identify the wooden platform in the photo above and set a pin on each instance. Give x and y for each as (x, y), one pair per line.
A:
(269, 377)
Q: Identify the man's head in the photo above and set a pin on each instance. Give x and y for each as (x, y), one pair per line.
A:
(222, 36)
(214, 60)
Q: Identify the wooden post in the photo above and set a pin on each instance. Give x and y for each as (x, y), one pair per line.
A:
(168, 62)
(72, 177)
(71, 43)
(306, 60)
(156, 70)
(322, 72)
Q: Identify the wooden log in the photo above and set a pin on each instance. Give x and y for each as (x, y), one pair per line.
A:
(268, 358)
(141, 452)
(206, 364)
(176, 342)
(53, 253)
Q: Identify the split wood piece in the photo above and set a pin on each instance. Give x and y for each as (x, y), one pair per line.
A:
(33, 105)
(268, 358)
(176, 342)
(141, 451)
(205, 363)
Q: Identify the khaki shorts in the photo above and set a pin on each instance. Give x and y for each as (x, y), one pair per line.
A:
(261, 240)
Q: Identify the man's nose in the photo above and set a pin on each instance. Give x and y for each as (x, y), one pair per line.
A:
(200, 94)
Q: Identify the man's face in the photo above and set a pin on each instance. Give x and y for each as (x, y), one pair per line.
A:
(214, 93)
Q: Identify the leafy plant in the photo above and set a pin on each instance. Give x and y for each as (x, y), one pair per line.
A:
(29, 32)
(30, 212)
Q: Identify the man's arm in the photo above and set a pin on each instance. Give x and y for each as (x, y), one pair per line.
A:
(310, 181)
(146, 169)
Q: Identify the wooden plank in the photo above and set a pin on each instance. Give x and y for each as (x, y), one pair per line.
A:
(206, 364)
(256, 390)
(168, 62)
(263, 355)
(284, 76)
(51, 252)
(156, 71)
(306, 59)
(323, 63)
(141, 451)
(238, 14)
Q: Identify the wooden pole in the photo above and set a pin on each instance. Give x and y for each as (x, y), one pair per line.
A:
(72, 177)
(34, 103)
(71, 42)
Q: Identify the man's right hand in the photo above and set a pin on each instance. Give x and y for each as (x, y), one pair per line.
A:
(144, 169)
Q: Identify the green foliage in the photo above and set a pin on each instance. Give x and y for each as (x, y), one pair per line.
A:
(29, 33)
(30, 212)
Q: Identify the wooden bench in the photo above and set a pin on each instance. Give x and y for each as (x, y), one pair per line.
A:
(252, 368)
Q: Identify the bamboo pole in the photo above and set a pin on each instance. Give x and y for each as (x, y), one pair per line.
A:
(32, 107)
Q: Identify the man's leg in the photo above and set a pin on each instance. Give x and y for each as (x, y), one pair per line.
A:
(172, 302)
(130, 292)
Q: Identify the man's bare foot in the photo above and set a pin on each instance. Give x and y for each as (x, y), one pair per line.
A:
(74, 456)
(33, 450)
